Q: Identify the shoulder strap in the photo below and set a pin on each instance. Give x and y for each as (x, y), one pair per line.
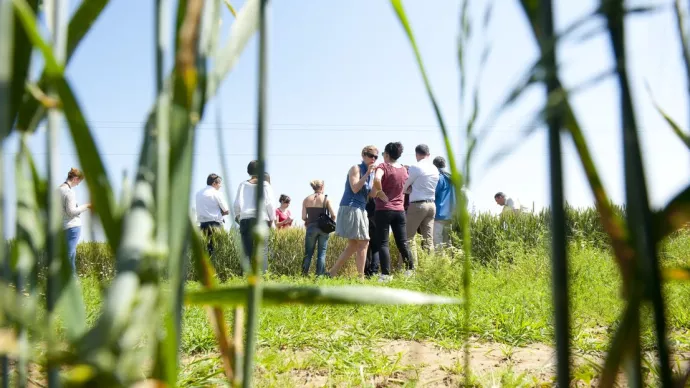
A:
(324, 201)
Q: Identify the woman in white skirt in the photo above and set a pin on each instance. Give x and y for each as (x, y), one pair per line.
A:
(353, 223)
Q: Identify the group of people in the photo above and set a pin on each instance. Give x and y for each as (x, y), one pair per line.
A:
(389, 196)
(377, 198)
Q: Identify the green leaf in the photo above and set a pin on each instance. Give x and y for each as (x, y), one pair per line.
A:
(684, 137)
(682, 273)
(621, 344)
(94, 170)
(281, 294)
(32, 112)
(674, 216)
(208, 278)
(21, 62)
(638, 213)
(613, 224)
(245, 25)
(30, 205)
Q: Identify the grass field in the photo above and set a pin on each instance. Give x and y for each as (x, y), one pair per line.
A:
(511, 326)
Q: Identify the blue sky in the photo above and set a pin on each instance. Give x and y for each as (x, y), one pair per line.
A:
(342, 75)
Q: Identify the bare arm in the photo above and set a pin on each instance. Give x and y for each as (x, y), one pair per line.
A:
(304, 210)
(377, 192)
(357, 182)
(330, 209)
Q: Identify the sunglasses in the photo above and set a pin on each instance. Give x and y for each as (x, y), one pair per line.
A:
(372, 156)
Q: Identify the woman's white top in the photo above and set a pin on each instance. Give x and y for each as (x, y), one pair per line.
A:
(70, 209)
(245, 204)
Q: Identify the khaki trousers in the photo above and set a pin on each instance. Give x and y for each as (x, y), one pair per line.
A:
(420, 216)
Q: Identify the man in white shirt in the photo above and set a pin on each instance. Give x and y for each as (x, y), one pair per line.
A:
(423, 178)
(245, 208)
(509, 204)
(211, 207)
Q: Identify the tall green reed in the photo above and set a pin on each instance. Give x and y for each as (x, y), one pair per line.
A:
(6, 77)
(559, 254)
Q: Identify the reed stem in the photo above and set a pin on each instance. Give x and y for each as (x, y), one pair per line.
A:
(260, 232)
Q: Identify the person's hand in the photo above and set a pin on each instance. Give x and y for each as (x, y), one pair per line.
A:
(370, 169)
(382, 196)
(89, 206)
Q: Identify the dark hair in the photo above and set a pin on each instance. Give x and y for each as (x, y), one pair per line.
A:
(75, 173)
(284, 199)
(439, 162)
(253, 168)
(499, 194)
(213, 178)
(422, 149)
(394, 150)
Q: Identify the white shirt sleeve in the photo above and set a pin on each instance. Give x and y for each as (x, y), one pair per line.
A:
(269, 201)
(71, 208)
(237, 206)
(414, 173)
(221, 201)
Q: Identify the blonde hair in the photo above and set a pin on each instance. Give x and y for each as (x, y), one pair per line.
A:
(316, 184)
(75, 173)
(369, 149)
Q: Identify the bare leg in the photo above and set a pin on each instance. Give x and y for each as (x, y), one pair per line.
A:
(349, 250)
(361, 256)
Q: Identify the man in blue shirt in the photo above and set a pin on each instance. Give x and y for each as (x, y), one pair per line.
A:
(445, 204)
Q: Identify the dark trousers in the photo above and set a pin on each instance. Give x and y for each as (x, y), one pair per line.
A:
(371, 267)
(396, 221)
(246, 227)
(207, 228)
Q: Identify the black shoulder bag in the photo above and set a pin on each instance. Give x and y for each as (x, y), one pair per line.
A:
(325, 222)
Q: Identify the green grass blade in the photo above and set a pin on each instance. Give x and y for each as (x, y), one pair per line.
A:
(683, 38)
(281, 294)
(6, 48)
(240, 32)
(56, 12)
(456, 176)
(260, 230)
(684, 137)
(94, 169)
(613, 224)
(230, 8)
(243, 28)
(70, 302)
(621, 344)
(188, 102)
(681, 273)
(207, 274)
(674, 216)
(31, 111)
(19, 50)
(559, 255)
(640, 220)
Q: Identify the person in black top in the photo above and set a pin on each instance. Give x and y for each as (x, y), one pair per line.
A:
(371, 267)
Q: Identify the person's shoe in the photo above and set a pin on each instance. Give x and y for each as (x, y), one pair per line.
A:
(409, 273)
(385, 278)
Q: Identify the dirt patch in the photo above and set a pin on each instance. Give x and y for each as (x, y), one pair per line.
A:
(433, 366)
(430, 365)
(432, 362)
